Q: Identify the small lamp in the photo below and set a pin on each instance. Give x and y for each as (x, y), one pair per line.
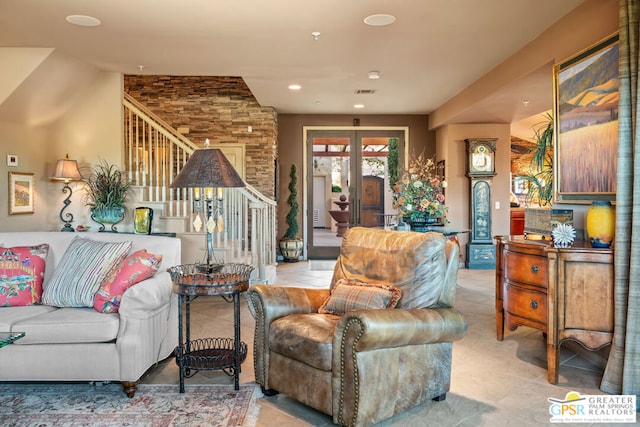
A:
(206, 169)
(66, 171)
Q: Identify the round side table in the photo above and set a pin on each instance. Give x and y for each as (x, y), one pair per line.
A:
(191, 281)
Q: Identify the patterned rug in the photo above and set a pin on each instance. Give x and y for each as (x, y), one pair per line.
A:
(82, 404)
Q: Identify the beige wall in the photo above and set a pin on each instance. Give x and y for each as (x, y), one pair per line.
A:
(450, 142)
(85, 122)
(588, 23)
(29, 144)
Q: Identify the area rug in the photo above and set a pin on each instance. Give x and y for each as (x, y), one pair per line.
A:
(83, 404)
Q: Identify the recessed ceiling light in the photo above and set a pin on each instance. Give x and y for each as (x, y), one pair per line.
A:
(83, 20)
(374, 75)
(358, 106)
(525, 102)
(315, 35)
(379, 20)
(295, 86)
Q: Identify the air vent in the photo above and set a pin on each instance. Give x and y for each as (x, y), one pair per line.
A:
(365, 91)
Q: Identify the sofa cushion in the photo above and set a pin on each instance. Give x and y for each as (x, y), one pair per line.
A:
(68, 326)
(307, 338)
(350, 295)
(12, 315)
(137, 267)
(21, 274)
(82, 269)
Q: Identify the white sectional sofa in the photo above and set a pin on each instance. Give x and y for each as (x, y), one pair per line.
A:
(82, 344)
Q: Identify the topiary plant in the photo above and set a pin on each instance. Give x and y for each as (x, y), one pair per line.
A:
(392, 162)
(292, 201)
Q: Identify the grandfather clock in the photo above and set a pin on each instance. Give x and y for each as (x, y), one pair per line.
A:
(481, 251)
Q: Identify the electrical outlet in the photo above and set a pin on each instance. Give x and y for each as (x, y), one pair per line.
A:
(497, 205)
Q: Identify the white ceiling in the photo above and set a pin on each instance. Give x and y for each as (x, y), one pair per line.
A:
(434, 49)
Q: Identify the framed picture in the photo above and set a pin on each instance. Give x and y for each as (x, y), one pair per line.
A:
(12, 160)
(21, 189)
(520, 185)
(586, 124)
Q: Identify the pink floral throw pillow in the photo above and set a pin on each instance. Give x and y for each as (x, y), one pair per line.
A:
(21, 274)
(135, 268)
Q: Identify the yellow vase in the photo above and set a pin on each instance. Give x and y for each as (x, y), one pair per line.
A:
(601, 224)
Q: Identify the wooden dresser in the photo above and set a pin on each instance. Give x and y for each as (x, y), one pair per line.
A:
(567, 293)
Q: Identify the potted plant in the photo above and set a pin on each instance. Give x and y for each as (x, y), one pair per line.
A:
(106, 191)
(540, 176)
(291, 243)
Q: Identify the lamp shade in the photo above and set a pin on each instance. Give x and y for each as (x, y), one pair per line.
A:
(66, 170)
(207, 167)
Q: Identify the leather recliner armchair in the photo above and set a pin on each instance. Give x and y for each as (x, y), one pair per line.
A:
(365, 365)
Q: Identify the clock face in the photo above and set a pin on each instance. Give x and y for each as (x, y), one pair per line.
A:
(481, 160)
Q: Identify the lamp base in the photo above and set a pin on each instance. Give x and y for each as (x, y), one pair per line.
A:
(68, 227)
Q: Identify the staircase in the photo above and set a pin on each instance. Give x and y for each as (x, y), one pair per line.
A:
(154, 155)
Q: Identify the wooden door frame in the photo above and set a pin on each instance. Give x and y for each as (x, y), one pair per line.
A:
(305, 180)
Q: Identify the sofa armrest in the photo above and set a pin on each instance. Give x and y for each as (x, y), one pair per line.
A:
(143, 299)
(268, 303)
(365, 330)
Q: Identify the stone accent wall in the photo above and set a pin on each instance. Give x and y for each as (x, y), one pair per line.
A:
(218, 108)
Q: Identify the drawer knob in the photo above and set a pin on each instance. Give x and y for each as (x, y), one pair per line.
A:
(534, 269)
(534, 305)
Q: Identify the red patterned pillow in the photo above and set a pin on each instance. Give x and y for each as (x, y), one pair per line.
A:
(21, 274)
(349, 295)
(135, 268)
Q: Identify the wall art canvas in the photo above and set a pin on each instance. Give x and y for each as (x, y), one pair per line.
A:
(21, 191)
(586, 124)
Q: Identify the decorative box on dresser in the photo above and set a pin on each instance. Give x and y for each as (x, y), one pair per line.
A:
(567, 293)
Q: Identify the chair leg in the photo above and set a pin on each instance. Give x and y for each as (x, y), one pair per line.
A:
(269, 392)
(440, 398)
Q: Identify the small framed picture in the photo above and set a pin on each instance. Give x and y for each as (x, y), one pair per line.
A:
(520, 185)
(12, 160)
(21, 191)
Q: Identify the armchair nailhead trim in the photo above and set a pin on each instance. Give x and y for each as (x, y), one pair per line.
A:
(356, 374)
(259, 333)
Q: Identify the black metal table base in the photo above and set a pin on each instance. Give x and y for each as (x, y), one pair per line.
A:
(226, 354)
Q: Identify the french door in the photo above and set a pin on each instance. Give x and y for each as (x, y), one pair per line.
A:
(347, 184)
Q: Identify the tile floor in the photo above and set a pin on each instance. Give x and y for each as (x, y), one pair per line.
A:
(493, 383)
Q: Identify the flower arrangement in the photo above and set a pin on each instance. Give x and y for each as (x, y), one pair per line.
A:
(419, 192)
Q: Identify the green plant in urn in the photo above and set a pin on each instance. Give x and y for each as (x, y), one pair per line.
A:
(106, 192)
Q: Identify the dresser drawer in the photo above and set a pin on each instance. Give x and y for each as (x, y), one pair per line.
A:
(526, 268)
(525, 303)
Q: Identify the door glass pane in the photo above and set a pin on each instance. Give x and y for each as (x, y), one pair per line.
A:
(331, 168)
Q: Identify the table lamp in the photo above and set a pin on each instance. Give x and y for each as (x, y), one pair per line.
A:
(208, 171)
(66, 171)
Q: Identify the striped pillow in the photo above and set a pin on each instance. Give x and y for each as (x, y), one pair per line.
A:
(350, 295)
(82, 269)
